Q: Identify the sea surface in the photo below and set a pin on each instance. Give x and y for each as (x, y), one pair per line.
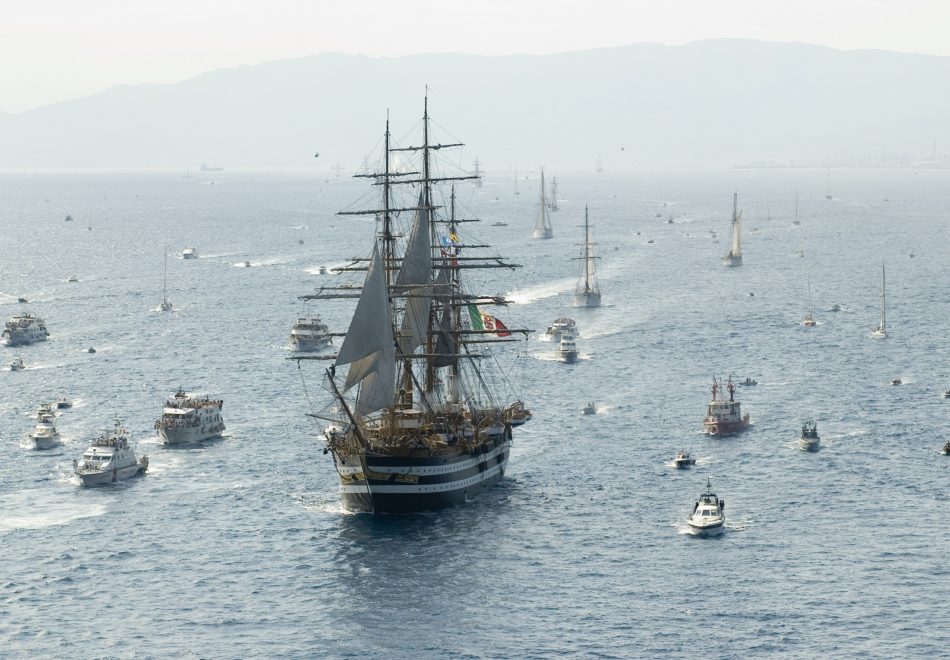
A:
(240, 547)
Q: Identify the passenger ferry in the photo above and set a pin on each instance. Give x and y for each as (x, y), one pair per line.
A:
(190, 417)
(108, 459)
(24, 329)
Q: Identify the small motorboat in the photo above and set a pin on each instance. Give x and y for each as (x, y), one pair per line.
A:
(299, 241)
(946, 449)
(709, 514)
(45, 435)
(499, 224)
(946, 394)
(22, 300)
(590, 408)
(69, 218)
(683, 459)
(516, 414)
(566, 350)
(63, 403)
(44, 409)
(835, 308)
(72, 278)
(90, 350)
(809, 440)
(189, 253)
(896, 381)
(17, 364)
(322, 270)
(244, 264)
(749, 381)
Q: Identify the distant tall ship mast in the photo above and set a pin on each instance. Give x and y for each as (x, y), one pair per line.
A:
(478, 174)
(880, 332)
(543, 228)
(734, 258)
(166, 305)
(828, 188)
(552, 204)
(587, 293)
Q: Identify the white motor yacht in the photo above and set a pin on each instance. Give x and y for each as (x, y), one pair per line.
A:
(17, 364)
(709, 514)
(590, 408)
(24, 329)
(809, 440)
(566, 350)
(62, 403)
(683, 459)
(189, 417)
(189, 253)
(309, 334)
(45, 435)
(109, 458)
(559, 327)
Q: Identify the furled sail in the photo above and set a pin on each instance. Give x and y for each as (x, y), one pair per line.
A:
(414, 278)
(368, 347)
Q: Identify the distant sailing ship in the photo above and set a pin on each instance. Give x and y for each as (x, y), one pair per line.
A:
(543, 228)
(828, 188)
(880, 332)
(427, 428)
(809, 320)
(587, 293)
(734, 257)
(478, 174)
(166, 305)
(552, 202)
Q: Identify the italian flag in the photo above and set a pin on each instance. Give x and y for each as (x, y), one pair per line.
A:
(482, 321)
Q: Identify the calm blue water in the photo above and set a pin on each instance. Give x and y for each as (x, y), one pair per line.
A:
(240, 548)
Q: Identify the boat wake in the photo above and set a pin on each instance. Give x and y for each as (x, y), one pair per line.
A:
(46, 509)
(532, 294)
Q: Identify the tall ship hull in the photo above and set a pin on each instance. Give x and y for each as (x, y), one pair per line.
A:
(405, 484)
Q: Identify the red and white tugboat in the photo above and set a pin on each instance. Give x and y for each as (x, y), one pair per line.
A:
(724, 417)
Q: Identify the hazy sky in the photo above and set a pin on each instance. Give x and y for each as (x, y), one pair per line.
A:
(52, 50)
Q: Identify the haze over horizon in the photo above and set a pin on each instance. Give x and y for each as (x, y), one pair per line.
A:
(56, 50)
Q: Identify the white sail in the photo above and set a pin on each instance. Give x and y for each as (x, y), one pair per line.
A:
(734, 257)
(368, 347)
(543, 228)
(414, 279)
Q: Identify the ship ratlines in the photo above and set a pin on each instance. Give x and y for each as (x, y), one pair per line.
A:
(421, 417)
(24, 329)
(724, 417)
(189, 417)
(309, 334)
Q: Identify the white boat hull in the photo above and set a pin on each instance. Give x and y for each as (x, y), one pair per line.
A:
(95, 477)
(809, 445)
(713, 529)
(544, 233)
(44, 441)
(189, 434)
(587, 299)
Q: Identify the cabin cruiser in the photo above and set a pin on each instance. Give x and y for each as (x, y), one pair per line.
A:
(590, 408)
(683, 459)
(89, 350)
(709, 514)
(45, 435)
(566, 350)
(896, 381)
(189, 253)
(24, 329)
(559, 327)
(189, 417)
(809, 440)
(17, 364)
(62, 402)
(516, 414)
(109, 458)
(724, 417)
(309, 334)
(322, 270)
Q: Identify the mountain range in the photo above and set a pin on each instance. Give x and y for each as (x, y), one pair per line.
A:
(717, 102)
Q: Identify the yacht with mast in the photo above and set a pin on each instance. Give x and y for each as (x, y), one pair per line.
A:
(543, 228)
(415, 423)
(828, 189)
(587, 293)
(166, 305)
(734, 257)
(880, 332)
(809, 320)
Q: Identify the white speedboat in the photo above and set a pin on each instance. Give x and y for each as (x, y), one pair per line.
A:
(62, 403)
(109, 458)
(709, 514)
(24, 329)
(590, 408)
(189, 417)
(309, 334)
(322, 270)
(17, 364)
(946, 394)
(561, 326)
(896, 381)
(683, 459)
(45, 435)
(566, 350)
(189, 253)
(809, 440)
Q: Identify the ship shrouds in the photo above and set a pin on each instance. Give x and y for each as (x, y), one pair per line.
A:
(587, 293)
(416, 422)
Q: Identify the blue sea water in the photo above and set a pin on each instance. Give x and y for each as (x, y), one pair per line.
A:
(240, 548)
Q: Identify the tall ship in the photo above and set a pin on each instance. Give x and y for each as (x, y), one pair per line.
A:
(543, 228)
(880, 332)
(552, 203)
(416, 423)
(587, 293)
(724, 417)
(734, 256)
(23, 329)
(309, 334)
(189, 417)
